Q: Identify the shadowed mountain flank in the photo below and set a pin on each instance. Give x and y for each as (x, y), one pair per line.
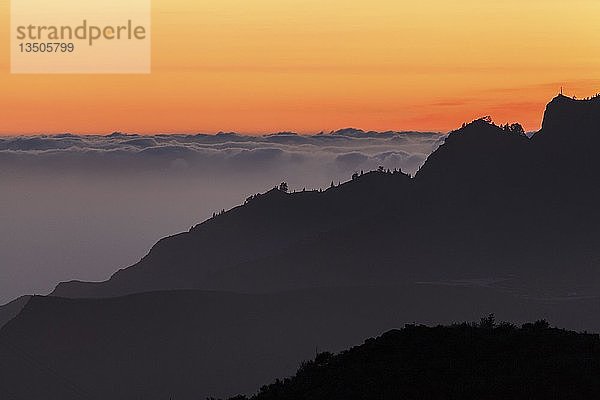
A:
(12, 309)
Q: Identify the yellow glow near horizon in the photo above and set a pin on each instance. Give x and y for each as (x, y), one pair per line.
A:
(310, 65)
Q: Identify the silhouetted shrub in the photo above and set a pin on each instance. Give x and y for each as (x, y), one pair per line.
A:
(486, 360)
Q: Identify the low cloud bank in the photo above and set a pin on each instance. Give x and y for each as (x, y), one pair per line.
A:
(334, 153)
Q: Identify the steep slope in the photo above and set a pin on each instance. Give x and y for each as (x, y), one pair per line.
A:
(568, 122)
(267, 225)
(565, 164)
(12, 309)
(474, 160)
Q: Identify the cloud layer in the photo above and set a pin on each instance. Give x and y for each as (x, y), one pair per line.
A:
(342, 151)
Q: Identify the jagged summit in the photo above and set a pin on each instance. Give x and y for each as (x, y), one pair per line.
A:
(479, 151)
(567, 117)
(562, 97)
(483, 129)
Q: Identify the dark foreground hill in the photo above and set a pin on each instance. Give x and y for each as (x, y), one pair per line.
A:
(455, 362)
(187, 345)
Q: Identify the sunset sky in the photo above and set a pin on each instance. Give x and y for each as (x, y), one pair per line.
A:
(313, 65)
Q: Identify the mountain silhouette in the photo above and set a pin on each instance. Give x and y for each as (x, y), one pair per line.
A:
(493, 222)
(466, 361)
(567, 121)
(266, 226)
(488, 203)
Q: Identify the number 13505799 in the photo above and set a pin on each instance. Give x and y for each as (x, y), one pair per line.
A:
(32, 47)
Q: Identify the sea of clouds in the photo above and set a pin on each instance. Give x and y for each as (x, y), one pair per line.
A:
(335, 153)
(81, 207)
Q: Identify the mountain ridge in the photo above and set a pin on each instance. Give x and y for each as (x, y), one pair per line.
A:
(479, 183)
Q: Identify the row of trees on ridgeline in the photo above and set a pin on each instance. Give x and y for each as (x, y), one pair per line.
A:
(284, 187)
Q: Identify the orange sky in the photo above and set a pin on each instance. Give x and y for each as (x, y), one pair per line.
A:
(310, 65)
